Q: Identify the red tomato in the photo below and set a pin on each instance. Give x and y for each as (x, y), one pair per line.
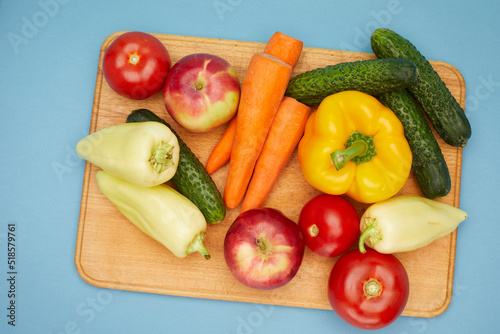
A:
(330, 225)
(369, 290)
(135, 65)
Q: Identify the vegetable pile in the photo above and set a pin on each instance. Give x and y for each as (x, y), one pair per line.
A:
(360, 129)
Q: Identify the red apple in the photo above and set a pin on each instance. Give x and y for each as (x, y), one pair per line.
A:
(263, 248)
(201, 92)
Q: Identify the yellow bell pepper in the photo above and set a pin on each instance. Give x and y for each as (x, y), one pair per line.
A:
(354, 145)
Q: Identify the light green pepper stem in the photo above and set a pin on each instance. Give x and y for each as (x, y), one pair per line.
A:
(161, 157)
(371, 231)
(359, 148)
(197, 246)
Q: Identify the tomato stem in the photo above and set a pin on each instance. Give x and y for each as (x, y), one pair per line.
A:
(134, 58)
(372, 288)
(313, 230)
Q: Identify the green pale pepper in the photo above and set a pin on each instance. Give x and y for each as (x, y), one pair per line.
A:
(145, 154)
(160, 212)
(407, 222)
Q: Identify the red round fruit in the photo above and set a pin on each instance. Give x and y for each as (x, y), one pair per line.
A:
(136, 64)
(330, 225)
(201, 92)
(263, 248)
(370, 290)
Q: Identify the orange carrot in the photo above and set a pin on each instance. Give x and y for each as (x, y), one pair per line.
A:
(261, 93)
(284, 47)
(222, 151)
(281, 46)
(285, 133)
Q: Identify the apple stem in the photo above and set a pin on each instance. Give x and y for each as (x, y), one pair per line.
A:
(261, 245)
(198, 85)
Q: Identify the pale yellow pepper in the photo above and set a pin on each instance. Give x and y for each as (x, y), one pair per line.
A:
(145, 154)
(354, 145)
(160, 211)
(405, 223)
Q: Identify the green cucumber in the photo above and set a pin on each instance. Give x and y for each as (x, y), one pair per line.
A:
(429, 90)
(371, 76)
(191, 178)
(429, 167)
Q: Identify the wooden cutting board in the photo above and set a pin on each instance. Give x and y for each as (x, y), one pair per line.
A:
(112, 253)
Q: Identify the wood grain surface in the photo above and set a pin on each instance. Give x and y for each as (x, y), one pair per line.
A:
(112, 253)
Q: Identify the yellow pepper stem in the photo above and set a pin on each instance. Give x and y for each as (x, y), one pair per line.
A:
(161, 157)
(359, 148)
(371, 232)
(197, 246)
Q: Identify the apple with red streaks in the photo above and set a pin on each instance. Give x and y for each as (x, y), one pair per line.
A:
(201, 92)
(263, 248)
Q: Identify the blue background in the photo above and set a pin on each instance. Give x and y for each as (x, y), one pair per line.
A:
(48, 73)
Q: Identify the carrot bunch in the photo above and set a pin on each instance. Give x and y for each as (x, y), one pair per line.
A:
(260, 140)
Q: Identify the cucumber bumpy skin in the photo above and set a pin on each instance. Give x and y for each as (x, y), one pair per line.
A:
(429, 167)
(191, 177)
(371, 76)
(429, 90)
